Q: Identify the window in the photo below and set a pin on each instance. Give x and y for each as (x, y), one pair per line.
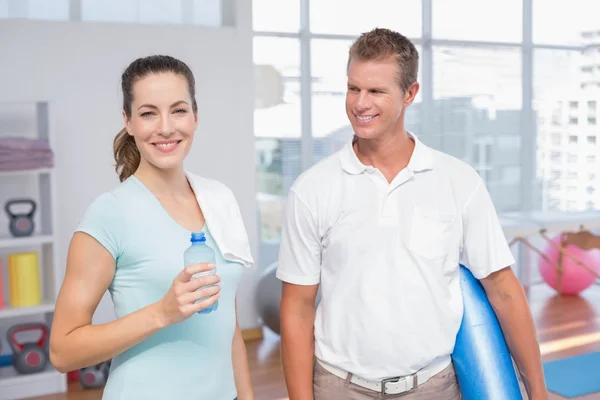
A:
(477, 98)
(330, 126)
(550, 85)
(277, 126)
(199, 12)
(354, 17)
(556, 139)
(554, 204)
(276, 15)
(55, 10)
(578, 19)
(471, 100)
(450, 21)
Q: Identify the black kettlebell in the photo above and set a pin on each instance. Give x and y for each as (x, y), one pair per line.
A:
(29, 357)
(20, 224)
(94, 376)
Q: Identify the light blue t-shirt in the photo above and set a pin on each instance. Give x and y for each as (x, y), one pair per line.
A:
(189, 360)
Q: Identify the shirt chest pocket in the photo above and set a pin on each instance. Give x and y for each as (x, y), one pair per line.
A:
(431, 233)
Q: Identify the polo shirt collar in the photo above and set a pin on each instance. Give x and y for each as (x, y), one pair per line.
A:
(420, 160)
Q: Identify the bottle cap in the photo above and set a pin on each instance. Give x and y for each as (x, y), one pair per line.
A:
(198, 237)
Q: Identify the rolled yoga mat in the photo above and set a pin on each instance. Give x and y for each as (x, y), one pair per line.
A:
(481, 357)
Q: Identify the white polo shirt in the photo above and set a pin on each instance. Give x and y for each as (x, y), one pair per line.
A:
(387, 256)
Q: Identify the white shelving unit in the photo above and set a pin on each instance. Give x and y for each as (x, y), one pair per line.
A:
(12, 384)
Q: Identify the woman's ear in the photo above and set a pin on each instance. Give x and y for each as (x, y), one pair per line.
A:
(127, 123)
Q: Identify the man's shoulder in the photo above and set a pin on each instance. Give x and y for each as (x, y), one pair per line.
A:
(454, 168)
(323, 173)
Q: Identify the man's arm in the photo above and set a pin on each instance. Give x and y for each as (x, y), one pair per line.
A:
(507, 297)
(297, 339)
(241, 371)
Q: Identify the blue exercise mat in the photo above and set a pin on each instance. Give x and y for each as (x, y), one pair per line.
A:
(574, 376)
(481, 357)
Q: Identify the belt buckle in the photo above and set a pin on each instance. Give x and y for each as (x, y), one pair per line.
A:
(397, 379)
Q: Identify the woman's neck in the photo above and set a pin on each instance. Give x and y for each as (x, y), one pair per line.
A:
(163, 182)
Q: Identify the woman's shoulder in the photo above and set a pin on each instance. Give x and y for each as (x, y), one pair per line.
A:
(112, 197)
(203, 185)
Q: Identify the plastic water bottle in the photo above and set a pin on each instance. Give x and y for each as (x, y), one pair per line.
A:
(199, 252)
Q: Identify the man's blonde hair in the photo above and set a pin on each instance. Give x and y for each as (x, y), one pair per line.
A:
(380, 44)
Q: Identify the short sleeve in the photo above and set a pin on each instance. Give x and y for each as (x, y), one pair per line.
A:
(485, 248)
(300, 247)
(103, 221)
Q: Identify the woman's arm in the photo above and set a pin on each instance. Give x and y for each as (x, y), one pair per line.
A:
(76, 343)
(241, 371)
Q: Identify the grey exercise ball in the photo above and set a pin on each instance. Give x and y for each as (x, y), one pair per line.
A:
(268, 298)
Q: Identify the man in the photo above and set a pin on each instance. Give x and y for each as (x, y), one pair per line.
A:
(381, 226)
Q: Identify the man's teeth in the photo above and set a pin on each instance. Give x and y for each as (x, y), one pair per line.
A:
(365, 117)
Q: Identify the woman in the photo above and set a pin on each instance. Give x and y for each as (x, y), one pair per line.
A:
(131, 241)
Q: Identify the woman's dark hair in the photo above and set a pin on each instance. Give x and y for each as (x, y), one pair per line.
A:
(126, 153)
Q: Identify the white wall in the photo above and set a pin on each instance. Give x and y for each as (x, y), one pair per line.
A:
(77, 68)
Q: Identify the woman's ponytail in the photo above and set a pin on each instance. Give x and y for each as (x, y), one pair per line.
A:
(127, 155)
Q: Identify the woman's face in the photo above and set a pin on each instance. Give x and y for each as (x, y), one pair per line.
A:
(162, 119)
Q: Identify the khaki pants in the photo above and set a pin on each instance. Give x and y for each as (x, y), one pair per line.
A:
(327, 386)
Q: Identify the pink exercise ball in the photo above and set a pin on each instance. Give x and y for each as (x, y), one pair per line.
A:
(575, 278)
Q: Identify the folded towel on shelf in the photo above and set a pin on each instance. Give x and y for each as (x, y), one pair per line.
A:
(12, 155)
(23, 153)
(20, 143)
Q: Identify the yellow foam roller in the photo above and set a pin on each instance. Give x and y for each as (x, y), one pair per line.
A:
(24, 279)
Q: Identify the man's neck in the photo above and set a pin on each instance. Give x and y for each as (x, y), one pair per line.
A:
(390, 154)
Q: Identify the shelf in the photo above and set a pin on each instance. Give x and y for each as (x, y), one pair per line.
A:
(10, 312)
(13, 385)
(33, 171)
(34, 240)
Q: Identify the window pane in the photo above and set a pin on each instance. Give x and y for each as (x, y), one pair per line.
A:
(566, 22)
(564, 106)
(276, 15)
(206, 12)
(197, 12)
(355, 17)
(160, 12)
(498, 21)
(330, 126)
(477, 103)
(277, 127)
(56, 10)
(110, 10)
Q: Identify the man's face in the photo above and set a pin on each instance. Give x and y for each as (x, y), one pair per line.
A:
(375, 102)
